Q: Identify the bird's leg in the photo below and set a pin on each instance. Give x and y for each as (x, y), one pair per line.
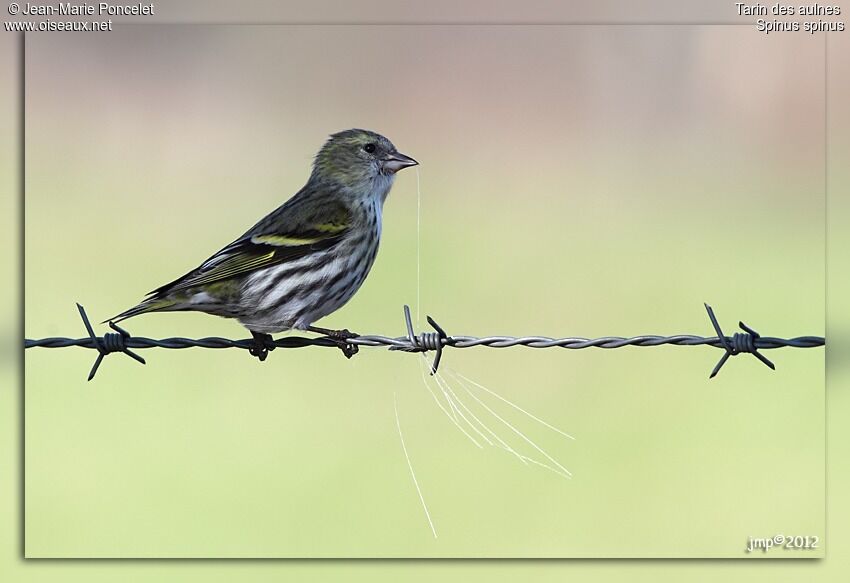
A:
(343, 334)
(263, 344)
(341, 337)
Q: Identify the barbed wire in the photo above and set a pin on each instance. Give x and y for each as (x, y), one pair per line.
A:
(747, 342)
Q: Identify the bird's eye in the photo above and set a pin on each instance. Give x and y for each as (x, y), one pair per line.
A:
(370, 148)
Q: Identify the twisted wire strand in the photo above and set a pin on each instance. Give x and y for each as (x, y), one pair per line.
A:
(749, 342)
(403, 343)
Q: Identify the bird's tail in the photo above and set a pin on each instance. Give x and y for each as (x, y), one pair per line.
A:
(153, 304)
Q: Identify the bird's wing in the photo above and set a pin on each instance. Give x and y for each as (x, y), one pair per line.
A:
(286, 234)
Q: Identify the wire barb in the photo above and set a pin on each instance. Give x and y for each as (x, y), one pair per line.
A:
(746, 342)
(426, 340)
(111, 342)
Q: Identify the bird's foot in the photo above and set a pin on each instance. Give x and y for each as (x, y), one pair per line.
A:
(263, 344)
(341, 337)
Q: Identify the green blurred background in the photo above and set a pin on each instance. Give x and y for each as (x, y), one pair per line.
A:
(693, 570)
(575, 181)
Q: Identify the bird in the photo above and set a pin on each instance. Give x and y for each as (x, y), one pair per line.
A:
(305, 259)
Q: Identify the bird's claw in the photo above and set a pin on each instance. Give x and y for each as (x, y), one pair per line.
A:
(342, 337)
(263, 344)
(348, 349)
(344, 334)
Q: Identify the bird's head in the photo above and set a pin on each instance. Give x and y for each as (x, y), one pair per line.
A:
(356, 159)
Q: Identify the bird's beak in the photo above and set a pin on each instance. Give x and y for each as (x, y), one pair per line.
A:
(396, 161)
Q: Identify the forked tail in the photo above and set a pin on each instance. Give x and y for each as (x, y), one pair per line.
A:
(153, 304)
